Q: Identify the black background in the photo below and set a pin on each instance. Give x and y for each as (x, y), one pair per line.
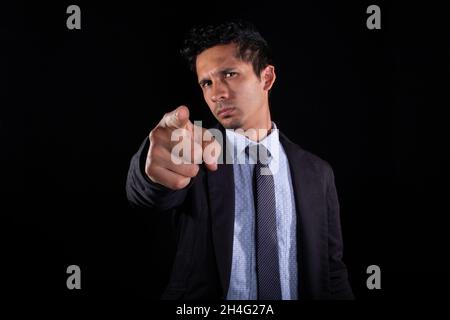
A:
(76, 104)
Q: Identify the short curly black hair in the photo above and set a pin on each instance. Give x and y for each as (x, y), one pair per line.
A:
(251, 46)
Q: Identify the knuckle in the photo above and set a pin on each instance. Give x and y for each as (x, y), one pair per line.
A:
(156, 152)
(193, 170)
(150, 169)
(153, 136)
(151, 175)
(181, 183)
(152, 152)
(159, 135)
(153, 178)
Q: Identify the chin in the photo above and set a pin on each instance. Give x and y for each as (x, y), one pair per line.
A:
(231, 124)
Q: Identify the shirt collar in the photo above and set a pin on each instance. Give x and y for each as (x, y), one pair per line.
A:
(238, 142)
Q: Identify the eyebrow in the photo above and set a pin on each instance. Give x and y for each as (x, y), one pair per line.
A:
(222, 71)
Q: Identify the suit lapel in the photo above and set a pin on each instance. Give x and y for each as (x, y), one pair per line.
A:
(221, 201)
(307, 201)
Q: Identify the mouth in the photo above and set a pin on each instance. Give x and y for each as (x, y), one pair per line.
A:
(225, 112)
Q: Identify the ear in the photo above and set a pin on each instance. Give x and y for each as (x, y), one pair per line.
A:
(268, 77)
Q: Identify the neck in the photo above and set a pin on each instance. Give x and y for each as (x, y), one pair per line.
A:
(257, 131)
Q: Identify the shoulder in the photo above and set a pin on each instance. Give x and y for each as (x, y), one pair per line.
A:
(297, 155)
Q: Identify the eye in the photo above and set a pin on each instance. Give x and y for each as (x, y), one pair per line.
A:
(205, 84)
(230, 74)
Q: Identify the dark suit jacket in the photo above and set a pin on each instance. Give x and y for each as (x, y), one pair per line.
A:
(204, 213)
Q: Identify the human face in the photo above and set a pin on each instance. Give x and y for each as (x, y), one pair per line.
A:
(236, 96)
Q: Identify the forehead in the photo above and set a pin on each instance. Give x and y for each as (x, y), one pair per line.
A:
(217, 57)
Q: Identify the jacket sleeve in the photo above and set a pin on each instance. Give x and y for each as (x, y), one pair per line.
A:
(142, 192)
(339, 284)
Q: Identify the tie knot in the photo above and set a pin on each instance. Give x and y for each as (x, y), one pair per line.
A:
(259, 154)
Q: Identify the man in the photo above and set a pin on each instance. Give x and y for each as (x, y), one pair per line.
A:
(243, 233)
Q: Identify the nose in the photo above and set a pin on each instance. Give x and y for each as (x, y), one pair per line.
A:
(219, 91)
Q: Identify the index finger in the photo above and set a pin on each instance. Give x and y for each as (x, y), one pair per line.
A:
(178, 118)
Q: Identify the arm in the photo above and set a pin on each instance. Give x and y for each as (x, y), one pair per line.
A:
(143, 192)
(339, 284)
(159, 177)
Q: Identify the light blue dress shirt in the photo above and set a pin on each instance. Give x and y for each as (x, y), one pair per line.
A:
(243, 283)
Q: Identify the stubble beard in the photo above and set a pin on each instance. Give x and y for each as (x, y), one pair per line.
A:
(234, 124)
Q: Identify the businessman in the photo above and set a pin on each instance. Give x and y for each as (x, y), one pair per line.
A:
(266, 228)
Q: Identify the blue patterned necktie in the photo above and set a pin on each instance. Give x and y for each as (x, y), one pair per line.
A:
(266, 244)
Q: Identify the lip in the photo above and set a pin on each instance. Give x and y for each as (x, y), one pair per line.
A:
(225, 112)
